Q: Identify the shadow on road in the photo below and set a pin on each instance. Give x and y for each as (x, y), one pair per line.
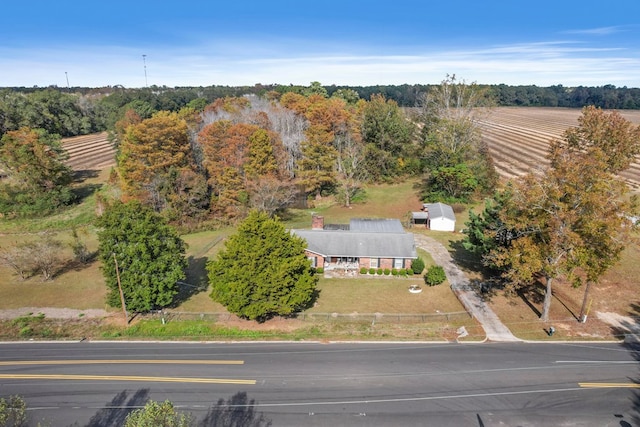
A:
(237, 411)
(631, 331)
(115, 412)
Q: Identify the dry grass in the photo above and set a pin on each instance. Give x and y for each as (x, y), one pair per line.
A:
(617, 292)
(383, 295)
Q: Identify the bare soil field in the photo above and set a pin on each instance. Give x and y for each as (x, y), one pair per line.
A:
(90, 152)
(518, 137)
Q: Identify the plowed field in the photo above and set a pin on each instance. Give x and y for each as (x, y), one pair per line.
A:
(89, 152)
(518, 137)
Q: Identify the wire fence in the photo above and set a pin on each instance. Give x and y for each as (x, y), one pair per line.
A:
(333, 317)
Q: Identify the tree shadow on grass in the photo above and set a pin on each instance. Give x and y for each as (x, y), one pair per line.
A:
(468, 260)
(237, 411)
(81, 189)
(196, 281)
(115, 412)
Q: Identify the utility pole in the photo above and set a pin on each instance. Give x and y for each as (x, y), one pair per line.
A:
(67, 76)
(124, 307)
(144, 60)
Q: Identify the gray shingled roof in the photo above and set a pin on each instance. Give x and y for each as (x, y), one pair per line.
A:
(359, 244)
(440, 210)
(371, 225)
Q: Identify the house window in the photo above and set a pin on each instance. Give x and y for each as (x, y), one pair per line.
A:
(375, 262)
(313, 261)
(398, 263)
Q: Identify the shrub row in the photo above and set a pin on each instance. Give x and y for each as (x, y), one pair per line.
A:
(386, 271)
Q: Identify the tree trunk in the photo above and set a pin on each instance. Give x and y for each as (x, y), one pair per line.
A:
(547, 301)
(583, 310)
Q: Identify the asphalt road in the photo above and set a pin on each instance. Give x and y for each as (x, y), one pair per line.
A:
(310, 384)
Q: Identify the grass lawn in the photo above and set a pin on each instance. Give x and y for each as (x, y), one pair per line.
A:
(383, 295)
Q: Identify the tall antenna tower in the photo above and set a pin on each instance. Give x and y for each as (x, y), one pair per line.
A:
(144, 60)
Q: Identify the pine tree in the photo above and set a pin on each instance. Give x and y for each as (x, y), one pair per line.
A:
(262, 271)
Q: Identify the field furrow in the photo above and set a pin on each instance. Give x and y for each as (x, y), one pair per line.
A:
(88, 152)
(518, 138)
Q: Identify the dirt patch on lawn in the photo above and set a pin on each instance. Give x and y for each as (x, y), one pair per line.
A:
(53, 313)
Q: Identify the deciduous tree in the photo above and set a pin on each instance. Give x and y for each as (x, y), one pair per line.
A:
(572, 216)
(150, 149)
(387, 135)
(451, 131)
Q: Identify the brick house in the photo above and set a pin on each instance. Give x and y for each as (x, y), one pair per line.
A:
(363, 243)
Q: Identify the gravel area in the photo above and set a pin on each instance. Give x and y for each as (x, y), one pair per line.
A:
(53, 313)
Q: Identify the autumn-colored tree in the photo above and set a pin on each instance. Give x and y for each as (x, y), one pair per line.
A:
(261, 159)
(149, 150)
(225, 147)
(329, 121)
(130, 118)
(572, 216)
(316, 168)
(271, 194)
(608, 132)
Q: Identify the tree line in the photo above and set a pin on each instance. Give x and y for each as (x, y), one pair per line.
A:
(79, 111)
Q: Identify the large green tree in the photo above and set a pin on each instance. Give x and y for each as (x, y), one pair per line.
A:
(38, 179)
(262, 270)
(387, 135)
(148, 253)
(450, 123)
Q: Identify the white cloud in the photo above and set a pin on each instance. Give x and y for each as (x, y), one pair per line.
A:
(546, 63)
(600, 31)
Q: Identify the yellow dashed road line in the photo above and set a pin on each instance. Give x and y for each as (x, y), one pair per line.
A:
(112, 362)
(126, 378)
(609, 385)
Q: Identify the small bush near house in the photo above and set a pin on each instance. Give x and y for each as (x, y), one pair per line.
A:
(387, 271)
(417, 265)
(320, 270)
(434, 275)
(379, 272)
(364, 270)
(394, 272)
(372, 271)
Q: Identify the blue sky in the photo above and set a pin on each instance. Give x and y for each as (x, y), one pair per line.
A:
(240, 42)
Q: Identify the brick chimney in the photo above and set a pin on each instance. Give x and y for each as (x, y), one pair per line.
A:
(317, 222)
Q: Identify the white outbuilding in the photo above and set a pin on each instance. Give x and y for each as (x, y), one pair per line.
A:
(436, 216)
